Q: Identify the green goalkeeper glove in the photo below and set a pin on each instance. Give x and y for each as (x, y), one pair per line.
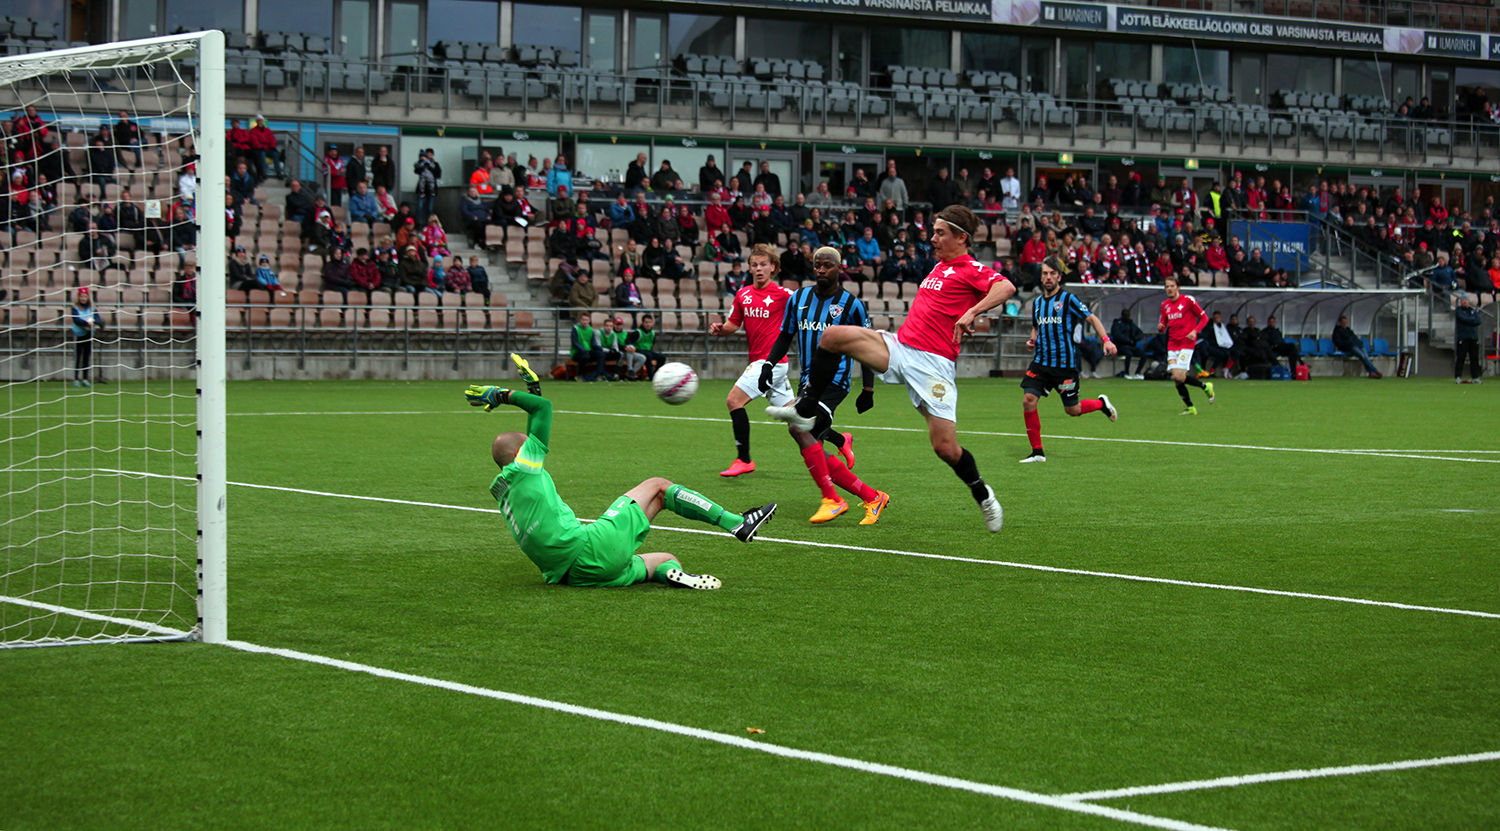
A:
(533, 383)
(487, 397)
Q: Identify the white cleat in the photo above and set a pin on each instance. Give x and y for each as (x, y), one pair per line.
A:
(1109, 408)
(994, 515)
(789, 415)
(678, 577)
(1034, 456)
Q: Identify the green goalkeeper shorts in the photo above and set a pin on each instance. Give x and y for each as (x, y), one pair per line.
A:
(609, 557)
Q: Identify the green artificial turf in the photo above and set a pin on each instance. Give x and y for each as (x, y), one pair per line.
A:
(1050, 682)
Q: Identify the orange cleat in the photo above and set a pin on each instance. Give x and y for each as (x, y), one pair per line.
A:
(874, 507)
(830, 509)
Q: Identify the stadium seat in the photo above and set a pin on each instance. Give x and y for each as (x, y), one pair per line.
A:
(1325, 347)
(1309, 346)
(1381, 346)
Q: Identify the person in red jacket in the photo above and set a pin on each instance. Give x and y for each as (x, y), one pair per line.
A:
(239, 141)
(29, 133)
(334, 166)
(263, 144)
(1032, 255)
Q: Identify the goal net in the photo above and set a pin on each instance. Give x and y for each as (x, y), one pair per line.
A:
(112, 221)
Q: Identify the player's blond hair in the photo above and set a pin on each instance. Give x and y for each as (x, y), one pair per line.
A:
(831, 250)
(761, 249)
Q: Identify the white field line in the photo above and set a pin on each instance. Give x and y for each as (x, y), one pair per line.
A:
(1394, 453)
(898, 552)
(1072, 805)
(65, 610)
(1283, 776)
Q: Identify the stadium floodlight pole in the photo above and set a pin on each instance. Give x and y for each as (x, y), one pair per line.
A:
(213, 537)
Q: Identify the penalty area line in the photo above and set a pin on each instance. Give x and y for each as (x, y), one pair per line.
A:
(848, 763)
(925, 555)
(1283, 776)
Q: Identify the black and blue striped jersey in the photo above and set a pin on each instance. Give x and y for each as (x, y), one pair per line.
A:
(807, 315)
(1055, 318)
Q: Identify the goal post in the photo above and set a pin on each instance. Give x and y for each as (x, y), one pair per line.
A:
(112, 366)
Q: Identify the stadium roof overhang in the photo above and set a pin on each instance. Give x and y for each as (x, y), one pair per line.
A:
(1295, 308)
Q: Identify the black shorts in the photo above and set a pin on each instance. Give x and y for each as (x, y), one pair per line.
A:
(1041, 379)
(831, 398)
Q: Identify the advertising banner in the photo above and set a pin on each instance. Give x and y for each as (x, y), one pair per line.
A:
(1282, 244)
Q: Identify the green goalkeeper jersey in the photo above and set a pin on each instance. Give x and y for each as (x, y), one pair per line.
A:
(544, 527)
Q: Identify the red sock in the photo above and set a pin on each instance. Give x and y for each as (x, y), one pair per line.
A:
(1088, 405)
(817, 465)
(1034, 429)
(846, 479)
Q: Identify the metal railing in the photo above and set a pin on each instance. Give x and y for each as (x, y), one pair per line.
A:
(541, 93)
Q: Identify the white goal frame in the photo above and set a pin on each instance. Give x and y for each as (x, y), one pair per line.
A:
(210, 142)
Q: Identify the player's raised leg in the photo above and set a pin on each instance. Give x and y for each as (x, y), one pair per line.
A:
(657, 493)
(865, 346)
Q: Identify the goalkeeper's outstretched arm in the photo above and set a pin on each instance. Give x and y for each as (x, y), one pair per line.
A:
(538, 415)
(538, 409)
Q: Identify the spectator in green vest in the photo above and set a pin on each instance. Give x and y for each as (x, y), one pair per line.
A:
(640, 349)
(586, 347)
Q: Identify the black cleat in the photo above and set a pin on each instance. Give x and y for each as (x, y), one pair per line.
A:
(754, 519)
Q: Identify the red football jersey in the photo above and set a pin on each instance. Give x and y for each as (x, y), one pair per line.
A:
(1183, 318)
(760, 312)
(952, 288)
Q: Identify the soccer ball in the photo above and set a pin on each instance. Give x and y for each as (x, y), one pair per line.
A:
(675, 383)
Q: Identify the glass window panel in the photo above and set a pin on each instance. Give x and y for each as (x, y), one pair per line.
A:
(851, 63)
(1039, 65)
(649, 42)
(1246, 78)
(700, 34)
(602, 44)
(991, 53)
(1367, 78)
(1122, 61)
(354, 29)
(195, 16)
(1406, 80)
(311, 16)
(556, 26)
(405, 33)
(138, 19)
(608, 160)
(788, 39)
(1186, 65)
(897, 46)
(1301, 73)
(1076, 70)
(474, 21)
(47, 10)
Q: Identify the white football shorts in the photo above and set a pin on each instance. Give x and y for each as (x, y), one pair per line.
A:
(929, 378)
(779, 395)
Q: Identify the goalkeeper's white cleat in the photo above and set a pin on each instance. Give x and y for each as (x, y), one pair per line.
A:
(678, 577)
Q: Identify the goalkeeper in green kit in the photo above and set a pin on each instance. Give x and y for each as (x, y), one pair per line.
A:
(601, 553)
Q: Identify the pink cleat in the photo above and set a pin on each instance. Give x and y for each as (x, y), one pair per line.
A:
(738, 468)
(847, 451)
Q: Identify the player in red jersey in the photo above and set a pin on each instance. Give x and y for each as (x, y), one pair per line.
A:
(1182, 319)
(759, 308)
(923, 354)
